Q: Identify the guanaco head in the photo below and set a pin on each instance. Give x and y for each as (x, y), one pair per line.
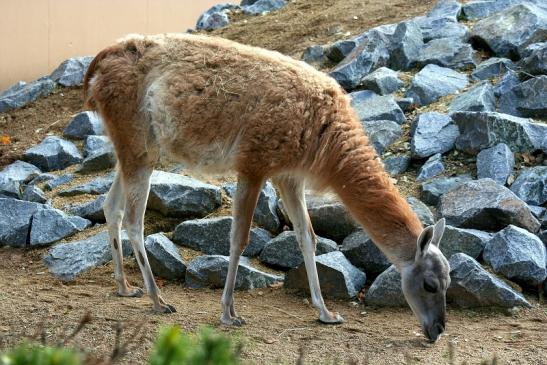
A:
(426, 280)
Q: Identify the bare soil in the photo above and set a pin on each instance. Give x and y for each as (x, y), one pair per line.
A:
(280, 323)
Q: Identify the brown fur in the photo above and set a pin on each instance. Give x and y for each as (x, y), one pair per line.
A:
(220, 105)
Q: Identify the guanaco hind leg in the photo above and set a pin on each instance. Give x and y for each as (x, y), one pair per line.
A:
(291, 190)
(244, 205)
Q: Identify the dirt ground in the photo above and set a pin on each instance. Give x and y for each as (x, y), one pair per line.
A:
(279, 322)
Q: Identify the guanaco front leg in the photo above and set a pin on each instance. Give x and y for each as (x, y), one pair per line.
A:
(244, 205)
(291, 190)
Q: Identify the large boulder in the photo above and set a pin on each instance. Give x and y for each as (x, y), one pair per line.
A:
(496, 163)
(382, 133)
(53, 153)
(434, 189)
(480, 130)
(371, 106)
(460, 240)
(22, 93)
(15, 221)
(480, 98)
(432, 167)
(508, 32)
(447, 52)
(164, 257)
(210, 272)
(526, 99)
(181, 196)
(84, 124)
(518, 255)
(382, 81)
(483, 204)
(363, 253)
(284, 251)
(72, 71)
(531, 185)
(473, 286)
(432, 133)
(434, 82)
(338, 278)
(14, 176)
(68, 260)
(386, 290)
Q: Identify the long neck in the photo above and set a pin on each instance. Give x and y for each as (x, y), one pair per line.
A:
(354, 171)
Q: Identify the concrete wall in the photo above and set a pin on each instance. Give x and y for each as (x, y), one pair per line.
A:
(37, 35)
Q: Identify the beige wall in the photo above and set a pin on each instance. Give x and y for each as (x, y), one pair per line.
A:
(36, 35)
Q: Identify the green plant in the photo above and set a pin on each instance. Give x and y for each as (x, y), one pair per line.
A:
(206, 348)
(27, 354)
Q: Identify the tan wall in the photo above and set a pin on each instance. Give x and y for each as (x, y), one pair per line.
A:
(37, 35)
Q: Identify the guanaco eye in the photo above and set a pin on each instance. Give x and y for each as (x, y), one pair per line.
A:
(430, 287)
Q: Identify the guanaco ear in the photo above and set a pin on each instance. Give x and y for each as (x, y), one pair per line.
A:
(438, 230)
(423, 242)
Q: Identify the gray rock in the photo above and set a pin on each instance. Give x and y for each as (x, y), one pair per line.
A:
(530, 49)
(34, 194)
(216, 17)
(496, 163)
(382, 133)
(531, 185)
(208, 235)
(434, 82)
(84, 124)
(518, 255)
(431, 168)
(13, 176)
(477, 9)
(473, 286)
(395, 165)
(340, 50)
(101, 159)
(447, 52)
(432, 133)
(97, 186)
(469, 241)
(507, 82)
(434, 189)
(436, 28)
(258, 238)
(92, 210)
(164, 257)
(53, 153)
(315, 56)
(535, 62)
(330, 218)
(421, 210)
(480, 130)
(284, 251)
(386, 290)
(211, 271)
(363, 253)
(263, 6)
(44, 177)
(58, 181)
(22, 93)
(371, 106)
(407, 41)
(526, 99)
(72, 71)
(51, 225)
(406, 104)
(15, 221)
(338, 278)
(538, 212)
(265, 214)
(446, 9)
(382, 81)
(484, 204)
(513, 29)
(492, 67)
(68, 260)
(180, 196)
(371, 52)
(480, 98)
(93, 144)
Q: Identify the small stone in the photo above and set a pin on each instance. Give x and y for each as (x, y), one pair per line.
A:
(92, 144)
(164, 257)
(526, 99)
(480, 98)
(51, 225)
(15, 221)
(431, 168)
(83, 125)
(98, 186)
(447, 52)
(407, 41)
(535, 61)
(99, 160)
(258, 238)
(531, 185)
(396, 165)
(382, 81)
(421, 210)
(263, 6)
(468, 241)
(92, 210)
(14, 176)
(432, 133)
(58, 181)
(496, 163)
(434, 189)
(386, 290)
(208, 235)
(72, 71)
(371, 106)
(53, 153)
(34, 194)
(363, 253)
(22, 94)
(338, 278)
(315, 56)
(518, 255)
(492, 67)
(406, 104)
(382, 133)
(434, 82)
(216, 17)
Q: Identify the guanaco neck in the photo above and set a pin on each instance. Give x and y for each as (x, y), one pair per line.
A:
(355, 172)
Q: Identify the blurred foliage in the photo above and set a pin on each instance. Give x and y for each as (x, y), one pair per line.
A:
(27, 354)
